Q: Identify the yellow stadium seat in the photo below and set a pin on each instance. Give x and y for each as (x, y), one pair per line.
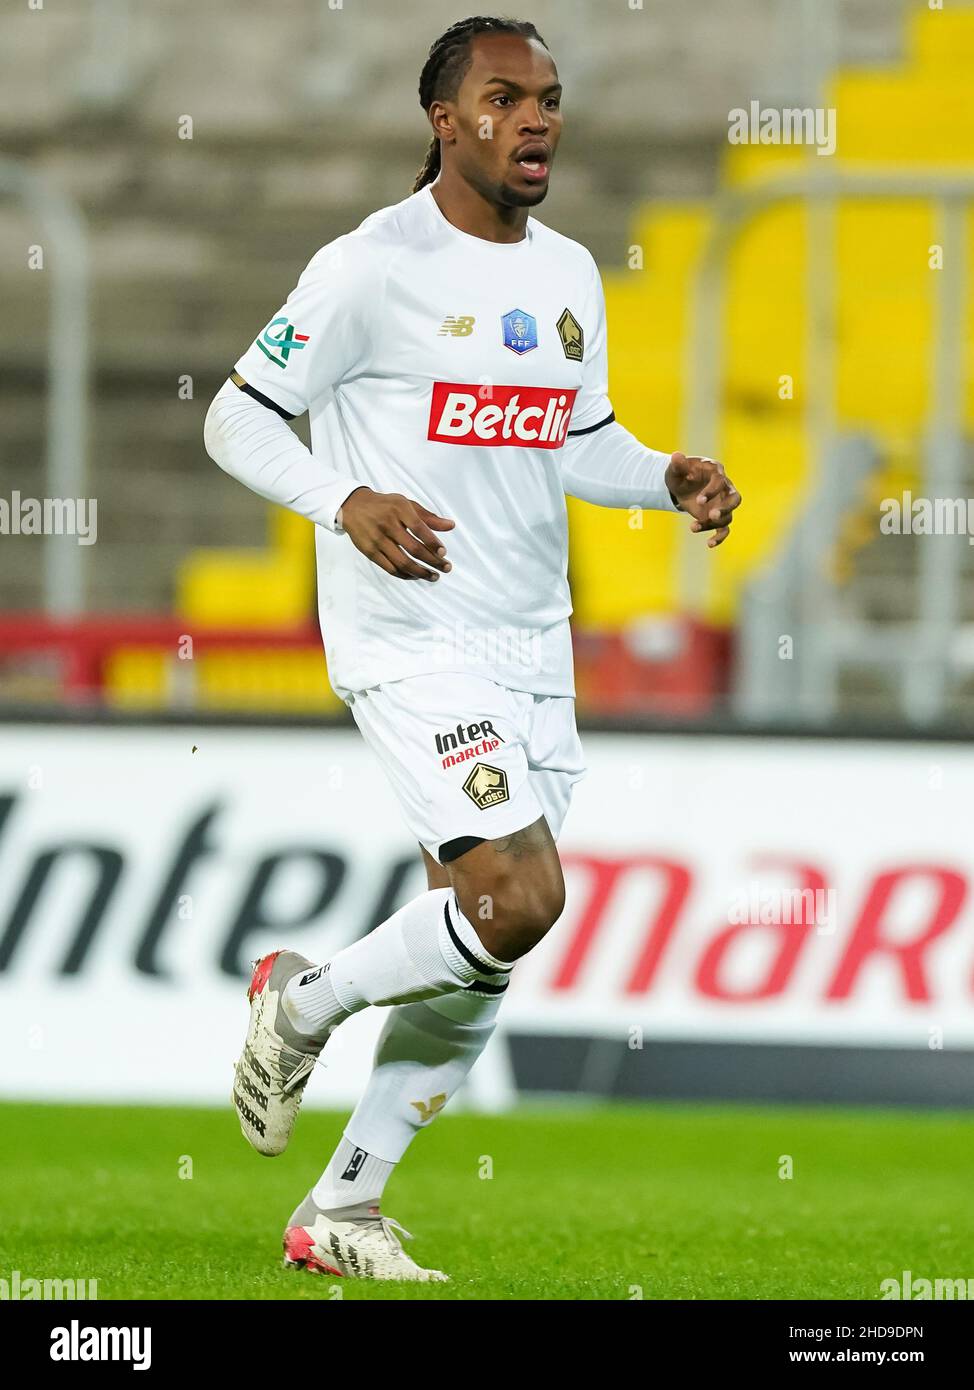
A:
(941, 42)
(250, 588)
(289, 680)
(137, 678)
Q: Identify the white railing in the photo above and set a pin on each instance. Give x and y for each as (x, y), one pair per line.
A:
(66, 263)
(921, 655)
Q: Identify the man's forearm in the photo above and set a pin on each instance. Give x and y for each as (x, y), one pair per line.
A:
(611, 468)
(259, 449)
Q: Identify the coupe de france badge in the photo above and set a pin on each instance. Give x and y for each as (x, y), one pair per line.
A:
(520, 331)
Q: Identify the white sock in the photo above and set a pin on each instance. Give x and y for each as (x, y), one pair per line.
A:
(426, 949)
(311, 1004)
(353, 1176)
(423, 1055)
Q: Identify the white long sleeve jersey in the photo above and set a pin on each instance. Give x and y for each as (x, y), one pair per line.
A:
(470, 376)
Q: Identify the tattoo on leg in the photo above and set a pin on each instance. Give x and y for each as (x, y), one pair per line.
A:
(534, 839)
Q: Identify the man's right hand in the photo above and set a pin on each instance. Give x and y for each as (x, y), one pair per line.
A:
(389, 530)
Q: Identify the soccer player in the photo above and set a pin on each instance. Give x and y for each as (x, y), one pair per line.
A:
(452, 354)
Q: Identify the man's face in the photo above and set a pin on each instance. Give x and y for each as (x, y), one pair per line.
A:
(506, 120)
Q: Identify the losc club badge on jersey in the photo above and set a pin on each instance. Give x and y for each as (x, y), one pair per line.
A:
(520, 331)
(571, 335)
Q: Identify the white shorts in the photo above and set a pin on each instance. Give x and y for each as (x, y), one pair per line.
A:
(469, 759)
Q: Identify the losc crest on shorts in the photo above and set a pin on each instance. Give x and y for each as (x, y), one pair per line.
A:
(468, 758)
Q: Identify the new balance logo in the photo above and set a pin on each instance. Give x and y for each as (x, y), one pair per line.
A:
(460, 327)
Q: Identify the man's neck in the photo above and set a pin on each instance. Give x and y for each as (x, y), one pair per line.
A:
(470, 212)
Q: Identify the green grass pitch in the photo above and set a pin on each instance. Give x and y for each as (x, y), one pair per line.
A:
(593, 1202)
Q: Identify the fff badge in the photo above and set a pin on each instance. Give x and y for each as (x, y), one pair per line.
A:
(520, 331)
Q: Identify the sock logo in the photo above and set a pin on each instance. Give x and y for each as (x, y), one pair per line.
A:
(354, 1165)
(310, 979)
(429, 1109)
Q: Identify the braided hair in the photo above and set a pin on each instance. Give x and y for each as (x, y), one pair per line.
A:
(447, 64)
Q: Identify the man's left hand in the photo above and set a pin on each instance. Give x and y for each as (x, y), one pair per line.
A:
(704, 491)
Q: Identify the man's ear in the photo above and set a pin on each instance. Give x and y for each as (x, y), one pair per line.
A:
(442, 122)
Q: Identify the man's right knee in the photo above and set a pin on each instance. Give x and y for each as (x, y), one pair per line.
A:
(511, 902)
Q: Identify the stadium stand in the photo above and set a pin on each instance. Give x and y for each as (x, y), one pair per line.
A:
(182, 280)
